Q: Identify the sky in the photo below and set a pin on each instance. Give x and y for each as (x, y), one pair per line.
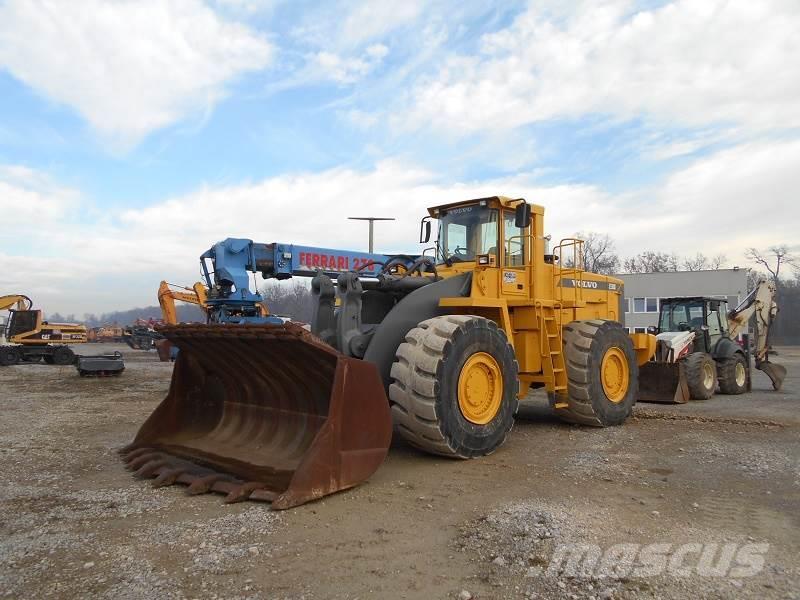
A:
(135, 134)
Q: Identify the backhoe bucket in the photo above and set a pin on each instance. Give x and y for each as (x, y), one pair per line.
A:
(663, 382)
(777, 373)
(263, 412)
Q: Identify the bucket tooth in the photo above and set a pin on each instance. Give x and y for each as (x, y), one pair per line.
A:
(150, 467)
(168, 477)
(202, 485)
(136, 463)
(242, 492)
(264, 412)
(128, 454)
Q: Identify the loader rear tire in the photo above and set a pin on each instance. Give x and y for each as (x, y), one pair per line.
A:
(733, 374)
(454, 386)
(701, 375)
(602, 374)
(8, 356)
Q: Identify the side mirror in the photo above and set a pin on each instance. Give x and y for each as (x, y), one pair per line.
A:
(652, 330)
(425, 230)
(522, 215)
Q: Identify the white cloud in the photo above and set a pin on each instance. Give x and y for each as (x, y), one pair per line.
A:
(743, 196)
(687, 62)
(28, 197)
(128, 67)
(327, 65)
(373, 19)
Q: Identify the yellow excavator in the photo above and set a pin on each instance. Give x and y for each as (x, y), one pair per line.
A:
(31, 339)
(168, 295)
(439, 351)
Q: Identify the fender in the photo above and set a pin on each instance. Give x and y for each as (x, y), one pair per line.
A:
(419, 305)
(726, 348)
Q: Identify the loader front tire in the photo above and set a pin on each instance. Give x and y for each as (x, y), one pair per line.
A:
(732, 374)
(701, 375)
(602, 374)
(454, 386)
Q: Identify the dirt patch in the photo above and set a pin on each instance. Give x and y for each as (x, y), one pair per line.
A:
(75, 524)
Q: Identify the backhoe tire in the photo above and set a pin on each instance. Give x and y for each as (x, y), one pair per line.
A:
(454, 386)
(63, 356)
(8, 356)
(602, 374)
(732, 373)
(701, 375)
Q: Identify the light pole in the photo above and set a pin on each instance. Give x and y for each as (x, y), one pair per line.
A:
(371, 227)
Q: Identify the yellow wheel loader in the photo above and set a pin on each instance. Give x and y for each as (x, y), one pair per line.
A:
(32, 339)
(439, 348)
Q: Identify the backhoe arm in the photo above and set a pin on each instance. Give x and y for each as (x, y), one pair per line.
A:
(759, 303)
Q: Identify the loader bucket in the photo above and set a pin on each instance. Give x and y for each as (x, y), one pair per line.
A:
(663, 382)
(263, 412)
(777, 373)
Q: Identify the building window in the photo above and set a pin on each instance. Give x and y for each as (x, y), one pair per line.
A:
(626, 304)
(645, 305)
(640, 329)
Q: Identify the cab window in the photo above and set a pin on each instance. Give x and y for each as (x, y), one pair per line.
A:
(466, 231)
(514, 244)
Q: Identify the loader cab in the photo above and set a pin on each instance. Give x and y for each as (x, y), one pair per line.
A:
(707, 317)
(486, 231)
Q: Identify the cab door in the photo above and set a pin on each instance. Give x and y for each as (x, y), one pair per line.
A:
(514, 258)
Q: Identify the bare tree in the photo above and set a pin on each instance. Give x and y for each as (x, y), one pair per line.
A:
(701, 262)
(651, 261)
(599, 255)
(288, 299)
(773, 259)
(719, 262)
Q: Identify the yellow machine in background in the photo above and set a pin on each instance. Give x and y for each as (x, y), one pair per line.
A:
(31, 339)
(169, 293)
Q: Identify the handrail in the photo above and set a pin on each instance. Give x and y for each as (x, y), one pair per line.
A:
(576, 269)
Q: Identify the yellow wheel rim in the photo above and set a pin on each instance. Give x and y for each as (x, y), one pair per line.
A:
(615, 374)
(708, 376)
(741, 374)
(480, 388)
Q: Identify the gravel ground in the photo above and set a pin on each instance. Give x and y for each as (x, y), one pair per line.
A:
(75, 524)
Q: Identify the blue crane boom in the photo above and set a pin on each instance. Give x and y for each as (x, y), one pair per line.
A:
(234, 259)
